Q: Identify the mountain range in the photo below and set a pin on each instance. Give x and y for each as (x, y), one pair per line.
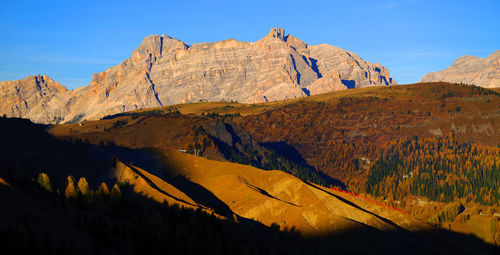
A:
(165, 71)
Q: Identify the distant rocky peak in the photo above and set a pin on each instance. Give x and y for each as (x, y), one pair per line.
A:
(292, 41)
(42, 77)
(277, 32)
(484, 72)
(275, 38)
(42, 80)
(157, 45)
(164, 71)
(152, 44)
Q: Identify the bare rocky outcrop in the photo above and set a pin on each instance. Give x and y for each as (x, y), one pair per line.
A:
(26, 97)
(484, 72)
(164, 71)
(354, 71)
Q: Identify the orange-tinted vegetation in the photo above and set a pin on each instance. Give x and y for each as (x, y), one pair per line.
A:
(440, 169)
(429, 150)
(366, 118)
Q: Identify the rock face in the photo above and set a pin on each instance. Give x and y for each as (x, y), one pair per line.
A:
(164, 71)
(30, 96)
(484, 72)
(354, 71)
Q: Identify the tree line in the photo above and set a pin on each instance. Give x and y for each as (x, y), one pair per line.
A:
(441, 169)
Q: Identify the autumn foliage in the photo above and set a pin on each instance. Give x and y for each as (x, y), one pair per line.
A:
(440, 169)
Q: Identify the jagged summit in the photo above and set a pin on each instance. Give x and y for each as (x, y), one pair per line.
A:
(22, 98)
(39, 79)
(277, 32)
(163, 70)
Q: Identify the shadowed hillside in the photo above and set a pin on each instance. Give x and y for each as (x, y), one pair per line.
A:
(337, 139)
(337, 133)
(253, 211)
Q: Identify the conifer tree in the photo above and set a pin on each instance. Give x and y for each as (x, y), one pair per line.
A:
(83, 186)
(44, 181)
(116, 192)
(70, 190)
(103, 189)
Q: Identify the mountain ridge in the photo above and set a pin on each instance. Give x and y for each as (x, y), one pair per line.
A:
(483, 72)
(163, 71)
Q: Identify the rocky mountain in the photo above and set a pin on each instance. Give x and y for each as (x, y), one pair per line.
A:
(484, 72)
(30, 96)
(164, 71)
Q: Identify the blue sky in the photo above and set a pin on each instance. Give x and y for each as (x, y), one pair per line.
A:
(71, 40)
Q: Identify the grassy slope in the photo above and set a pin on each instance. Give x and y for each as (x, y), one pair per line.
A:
(367, 117)
(274, 197)
(361, 116)
(266, 196)
(270, 197)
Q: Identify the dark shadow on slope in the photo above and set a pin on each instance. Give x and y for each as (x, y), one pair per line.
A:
(142, 158)
(350, 84)
(149, 161)
(153, 88)
(145, 227)
(234, 137)
(367, 240)
(314, 66)
(306, 91)
(265, 193)
(31, 218)
(27, 149)
(287, 151)
(290, 153)
(201, 195)
(359, 208)
(295, 68)
(151, 183)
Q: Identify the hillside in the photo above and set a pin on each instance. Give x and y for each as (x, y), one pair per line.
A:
(163, 71)
(364, 118)
(251, 208)
(348, 139)
(361, 119)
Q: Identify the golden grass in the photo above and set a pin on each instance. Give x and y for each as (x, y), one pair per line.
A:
(265, 196)
(274, 196)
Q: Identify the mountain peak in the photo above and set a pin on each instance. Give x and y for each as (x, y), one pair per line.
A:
(276, 36)
(164, 71)
(36, 80)
(155, 46)
(277, 32)
(467, 69)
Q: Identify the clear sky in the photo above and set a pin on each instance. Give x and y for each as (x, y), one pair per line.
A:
(70, 40)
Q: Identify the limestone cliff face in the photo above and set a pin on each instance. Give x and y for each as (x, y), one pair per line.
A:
(27, 97)
(354, 71)
(484, 72)
(165, 71)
